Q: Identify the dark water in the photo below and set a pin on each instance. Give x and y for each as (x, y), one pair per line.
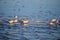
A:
(19, 32)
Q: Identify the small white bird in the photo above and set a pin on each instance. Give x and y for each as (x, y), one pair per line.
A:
(11, 21)
(15, 21)
(54, 20)
(25, 21)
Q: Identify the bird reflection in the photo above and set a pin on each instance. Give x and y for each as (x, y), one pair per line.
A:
(26, 22)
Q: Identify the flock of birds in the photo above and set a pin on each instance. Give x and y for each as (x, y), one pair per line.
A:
(25, 22)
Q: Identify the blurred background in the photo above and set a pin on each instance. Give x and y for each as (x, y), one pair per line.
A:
(31, 9)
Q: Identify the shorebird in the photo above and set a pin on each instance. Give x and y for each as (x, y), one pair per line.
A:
(52, 22)
(13, 21)
(24, 22)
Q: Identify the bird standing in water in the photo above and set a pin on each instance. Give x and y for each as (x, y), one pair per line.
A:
(15, 21)
(52, 22)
